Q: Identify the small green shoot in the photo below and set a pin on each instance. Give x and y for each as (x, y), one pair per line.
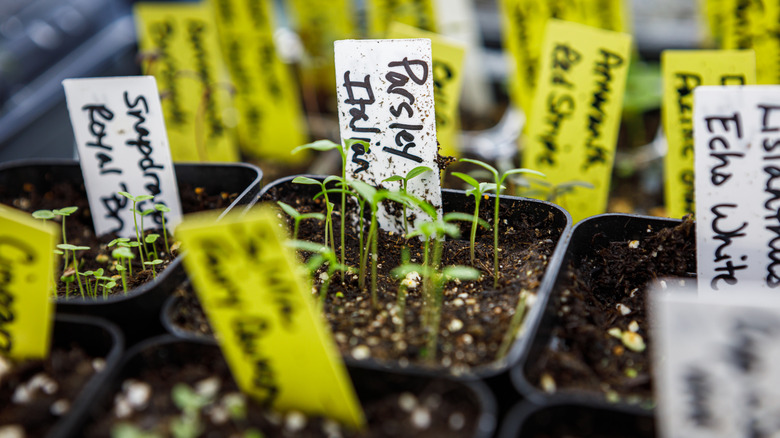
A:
(417, 171)
(514, 325)
(188, 424)
(323, 255)
(162, 208)
(124, 256)
(298, 217)
(477, 190)
(44, 215)
(328, 204)
(152, 264)
(136, 200)
(499, 181)
(73, 248)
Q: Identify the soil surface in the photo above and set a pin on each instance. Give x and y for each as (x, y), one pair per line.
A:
(595, 345)
(393, 407)
(80, 231)
(34, 394)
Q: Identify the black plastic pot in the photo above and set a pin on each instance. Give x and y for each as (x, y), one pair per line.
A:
(496, 373)
(369, 384)
(526, 420)
(137, 313)
(98, 338)
(587, 237)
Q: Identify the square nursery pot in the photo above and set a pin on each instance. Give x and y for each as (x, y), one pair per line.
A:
(574, 358)
(24, 184)
(84, 352)
(153, 367)
(552, 225)
(527, 420)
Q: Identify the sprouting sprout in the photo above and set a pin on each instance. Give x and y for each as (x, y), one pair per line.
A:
(499, 181)
(323, 255)
(477, 190)
(298, 217)
(326, 145)
(73, 248)
(417, 171)
(152, 264)
(188, 424)
(44, 215)
(136, 200)
(68, 277)
(328, 204)
(151, 239)
(162, 208)
(124, 256)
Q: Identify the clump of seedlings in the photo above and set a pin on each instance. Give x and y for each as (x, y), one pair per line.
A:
(96, 281)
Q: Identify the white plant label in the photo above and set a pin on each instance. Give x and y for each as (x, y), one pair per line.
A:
(737, 167)
(385, 92)
(716, 362)
(123, 147)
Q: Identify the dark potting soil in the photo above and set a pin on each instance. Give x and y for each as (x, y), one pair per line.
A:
(607, 290)
(34, 394)
(80, 231)
(435, 408)
(475, 316)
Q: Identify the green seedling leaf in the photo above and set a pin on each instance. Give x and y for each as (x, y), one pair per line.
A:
(484, 165)
(127, 195)
(162, 207)
(287, 208)
(43, 214)
(122, 252)
(467, 178)
(319, 145)
(461, 272)
(393, 178)
(154, 262)
(58, 252)
(133, 244)
(151, 238)
(186, 399)
(419, 170)
(524, 172)
(147, 212)
(67, 211)
(140, 198)
(305, 180)
(69, 247)
(119, 240)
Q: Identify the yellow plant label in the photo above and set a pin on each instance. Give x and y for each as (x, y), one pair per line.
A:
(572, 129)
(26, 271)
(319, 23)
(755, 24)
(523, 23)
(416, 13)
(684, 70)
(713, 17)
(271, 122)
(277, 346)
(607, 14)
(179, 46)
(447, 71)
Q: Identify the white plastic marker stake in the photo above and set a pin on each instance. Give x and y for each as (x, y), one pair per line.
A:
(716, 363)
(123, 147)
(385, 92)
(737, 168)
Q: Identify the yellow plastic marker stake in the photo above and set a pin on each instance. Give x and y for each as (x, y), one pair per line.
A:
(447, 73)
(180, 47)
(271, 123)
(523, 23)
(684, 70)
(755, 24)
(607, 14)
(713, 17)
(573, 127)
(417, 13)
(277, 346)
(319, 23)
(26, 271)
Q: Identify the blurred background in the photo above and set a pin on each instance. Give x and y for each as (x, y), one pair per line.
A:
(43, 42)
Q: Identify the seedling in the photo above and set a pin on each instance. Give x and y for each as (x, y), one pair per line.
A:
(514, 325)
(136, 200)
(152, 264)
(73, 248)
(328, 204)
(323, 255)
(439, 278)
(68, 277)
(477, 190)
(498, 180)
(417, 171)
(326, 145)
(44, 215)
(151, 239)
(162, 208)
(188, 425)
(124, 256)
(298, 217)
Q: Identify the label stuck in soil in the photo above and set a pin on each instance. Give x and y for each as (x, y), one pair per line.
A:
(123, 147)
(270, 119)
(447, 66)
(385, 91)
(27, 265)
(575, 117)
(737, 165)
(178, 44)
(720, 379)
(684, 70)
(252, 290)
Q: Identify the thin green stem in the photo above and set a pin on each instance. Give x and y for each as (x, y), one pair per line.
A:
(473, 238)
(373, 235)
(165, 236)
(495, 237)
(514, 326)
